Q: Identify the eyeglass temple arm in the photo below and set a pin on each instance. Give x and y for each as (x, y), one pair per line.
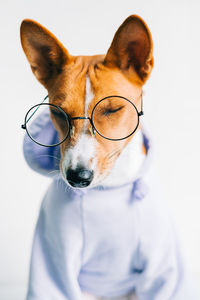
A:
(23, 126)
(141, 113)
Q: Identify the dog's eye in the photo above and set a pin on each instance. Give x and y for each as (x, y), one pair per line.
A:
(110, 111)
(58, 114)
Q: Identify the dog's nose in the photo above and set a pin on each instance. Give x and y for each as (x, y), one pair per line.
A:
(80, 177)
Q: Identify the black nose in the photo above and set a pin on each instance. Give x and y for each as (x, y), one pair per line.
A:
(79, 177)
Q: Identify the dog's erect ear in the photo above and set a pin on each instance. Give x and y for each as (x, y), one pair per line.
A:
(132, 47)
(44, 52)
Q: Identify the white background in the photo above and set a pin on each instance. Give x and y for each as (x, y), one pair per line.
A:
(171, 103)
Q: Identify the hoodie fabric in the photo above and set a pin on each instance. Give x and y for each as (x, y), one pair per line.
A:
(106, 241)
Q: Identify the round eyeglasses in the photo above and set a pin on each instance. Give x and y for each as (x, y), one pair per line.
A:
(114, 118)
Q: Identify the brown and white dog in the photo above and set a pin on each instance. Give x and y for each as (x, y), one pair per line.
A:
(77, 83)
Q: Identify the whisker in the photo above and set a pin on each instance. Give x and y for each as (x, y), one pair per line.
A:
(107, 160)
(59, 184)
(49, 156)
(67, 187)
(111, 154)
(51, 172)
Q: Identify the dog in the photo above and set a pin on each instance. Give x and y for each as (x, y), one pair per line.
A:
(103, 231)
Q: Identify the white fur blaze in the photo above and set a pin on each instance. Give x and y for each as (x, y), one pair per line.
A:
(88, 94)
(83, 153)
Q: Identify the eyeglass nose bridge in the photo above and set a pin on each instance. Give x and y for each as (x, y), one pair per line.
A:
(85, 118)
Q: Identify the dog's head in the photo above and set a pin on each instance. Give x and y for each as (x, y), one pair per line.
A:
(78, 83)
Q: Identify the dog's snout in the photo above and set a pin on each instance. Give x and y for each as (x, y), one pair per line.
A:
(80, 177)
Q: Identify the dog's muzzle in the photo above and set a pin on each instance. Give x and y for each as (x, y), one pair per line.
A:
(80, 177)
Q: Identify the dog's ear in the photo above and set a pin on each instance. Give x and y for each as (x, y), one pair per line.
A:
(132, 48)
(45, 53)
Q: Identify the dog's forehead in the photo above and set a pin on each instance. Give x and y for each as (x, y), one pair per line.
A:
(70, 88)
(85, 81)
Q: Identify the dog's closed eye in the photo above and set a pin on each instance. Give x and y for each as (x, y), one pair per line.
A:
(110, 111)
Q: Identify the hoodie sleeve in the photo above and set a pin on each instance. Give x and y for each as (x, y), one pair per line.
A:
(44, 160)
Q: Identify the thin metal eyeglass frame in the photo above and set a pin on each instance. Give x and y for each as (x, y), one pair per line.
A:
(69, 119)
(23, 126)
(141, 113)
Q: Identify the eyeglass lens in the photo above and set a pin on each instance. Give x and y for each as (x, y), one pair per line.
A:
(115, 118)
(48, 113)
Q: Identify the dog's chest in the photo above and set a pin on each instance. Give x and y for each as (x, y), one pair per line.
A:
(97, 232)
(110, 231)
